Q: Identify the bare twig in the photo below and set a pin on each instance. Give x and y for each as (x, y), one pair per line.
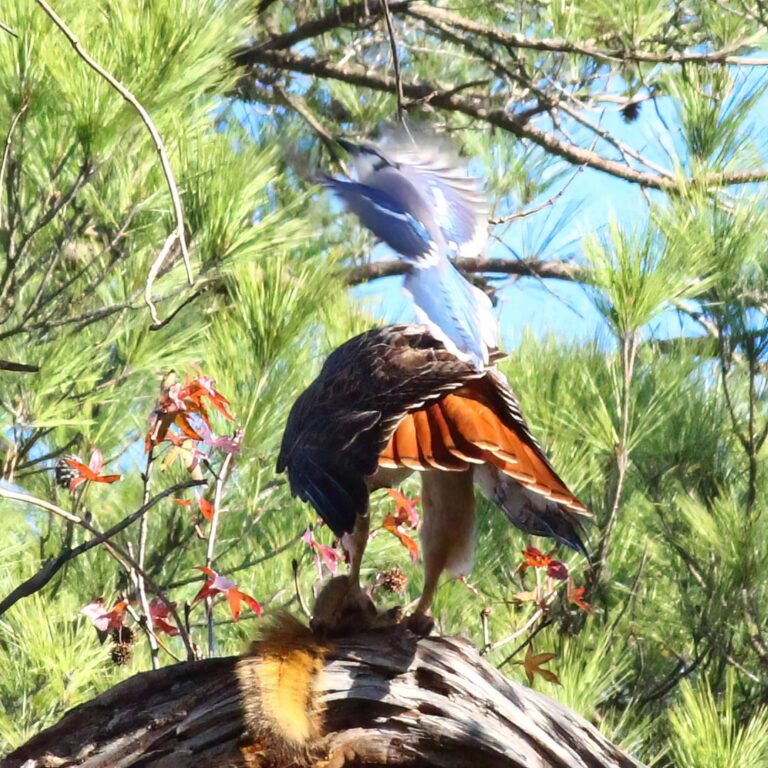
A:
(546, 204)
(159, 145)
(300, 106)
(557, 269)
(157, 265)
(7, 149)
(484, 615)
(395, 61)
(8, 365)
(211, 548)
(339, 16)
(140, 558)
(7, 29)
(528, 640)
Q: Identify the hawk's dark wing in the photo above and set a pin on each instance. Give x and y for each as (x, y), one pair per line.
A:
(345, 418)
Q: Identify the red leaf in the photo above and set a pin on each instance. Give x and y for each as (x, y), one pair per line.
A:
(254, 605)
(102, 619)
(323, 555)
(233, 597)
(90, 472)
(159, 611)
(576, 596)
(557, 570)
(218, 584)
(535, 558)
(106, 478)
(206, 508)
(533, 666)
(390, 524)
(405, 507)
(96, 464)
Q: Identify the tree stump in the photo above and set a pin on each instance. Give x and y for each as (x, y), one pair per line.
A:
(381, 698)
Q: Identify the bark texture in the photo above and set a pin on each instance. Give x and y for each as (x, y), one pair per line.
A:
(381, 698)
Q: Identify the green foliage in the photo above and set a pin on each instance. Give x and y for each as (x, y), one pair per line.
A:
(709, 732)
(661, 433)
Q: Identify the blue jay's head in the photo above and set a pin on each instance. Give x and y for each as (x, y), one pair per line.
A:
(368, 158)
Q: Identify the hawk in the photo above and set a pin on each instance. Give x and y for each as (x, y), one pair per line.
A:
(414, 196)
(397, 400)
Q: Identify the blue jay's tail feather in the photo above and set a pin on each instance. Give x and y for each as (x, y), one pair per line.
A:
(459, 312)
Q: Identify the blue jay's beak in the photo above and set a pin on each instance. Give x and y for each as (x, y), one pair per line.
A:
(349, 146)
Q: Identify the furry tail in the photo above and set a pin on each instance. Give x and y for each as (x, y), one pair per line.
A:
(459, 311)
(278, 682)
(529, 511)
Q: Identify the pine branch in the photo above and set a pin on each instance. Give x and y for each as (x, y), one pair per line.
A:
(555, 269)
(587, 48)
(180, 231)
(482, 109)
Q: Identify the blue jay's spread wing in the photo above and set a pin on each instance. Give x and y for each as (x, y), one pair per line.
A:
(396, 397)
(429, 180)
(386, 215)
(457, 201)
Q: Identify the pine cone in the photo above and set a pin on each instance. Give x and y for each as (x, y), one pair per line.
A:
(63, 473)
(123, 636)
(630, 111)
(121, 653)
(394, 580)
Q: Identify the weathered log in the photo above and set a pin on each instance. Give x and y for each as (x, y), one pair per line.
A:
(381, 698)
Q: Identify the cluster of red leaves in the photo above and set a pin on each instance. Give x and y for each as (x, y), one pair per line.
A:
(322, 554)
(90, 472)
(405, 516)
(114, 618)
(216, 584)
(535, 558)
(185, 407)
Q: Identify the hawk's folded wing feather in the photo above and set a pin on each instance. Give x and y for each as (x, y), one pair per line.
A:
(478, 423)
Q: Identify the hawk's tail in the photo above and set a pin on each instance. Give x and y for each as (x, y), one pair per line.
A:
(529, 511)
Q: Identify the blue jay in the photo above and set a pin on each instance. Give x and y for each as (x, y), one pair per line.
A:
(413, 196)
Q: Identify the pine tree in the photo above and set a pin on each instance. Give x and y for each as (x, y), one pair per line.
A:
(655, 409)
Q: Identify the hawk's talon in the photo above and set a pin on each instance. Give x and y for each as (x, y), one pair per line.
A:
(420, 624)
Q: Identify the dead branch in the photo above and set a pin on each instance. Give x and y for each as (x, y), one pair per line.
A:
(377, 699)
